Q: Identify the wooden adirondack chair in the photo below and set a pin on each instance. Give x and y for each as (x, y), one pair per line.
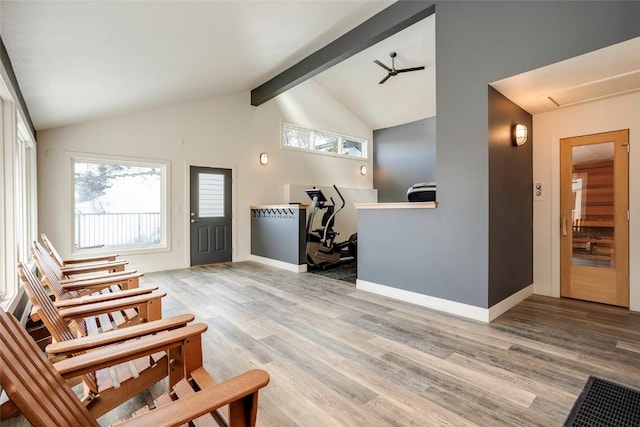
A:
(107, 290)
(95, 325)
(61, 284)
(40, 392)
(108, 259)
(88, 269)
(90, 315)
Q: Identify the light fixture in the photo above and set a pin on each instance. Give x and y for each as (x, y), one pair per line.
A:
(264, 158)
(519, 134)
(363, 170)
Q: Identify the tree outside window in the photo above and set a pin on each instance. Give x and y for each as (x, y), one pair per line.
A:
(117, 204)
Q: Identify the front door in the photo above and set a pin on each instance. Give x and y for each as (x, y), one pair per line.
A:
(210, 215)
(594, 227)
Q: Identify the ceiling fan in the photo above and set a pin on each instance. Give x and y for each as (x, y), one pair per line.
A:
(392, 71)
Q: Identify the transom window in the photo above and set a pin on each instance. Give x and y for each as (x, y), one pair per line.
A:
(323, 142)
(118, 204)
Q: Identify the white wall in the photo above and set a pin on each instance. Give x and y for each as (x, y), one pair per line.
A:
(606, 115)
(224, 131)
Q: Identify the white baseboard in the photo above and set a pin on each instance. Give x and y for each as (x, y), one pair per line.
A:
(508, 303)
(447, 306)
(279, 264)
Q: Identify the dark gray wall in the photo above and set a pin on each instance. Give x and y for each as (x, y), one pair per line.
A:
(510, 200)
(402, 156)
(478, 43)
(279, 233)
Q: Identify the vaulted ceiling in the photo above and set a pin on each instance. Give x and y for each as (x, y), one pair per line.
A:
(81, 60)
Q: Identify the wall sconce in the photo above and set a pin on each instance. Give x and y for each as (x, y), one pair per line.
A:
(363, 170)
(519, 134)
(264, 158)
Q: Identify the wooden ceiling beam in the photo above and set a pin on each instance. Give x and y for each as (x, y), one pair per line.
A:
(391, 20)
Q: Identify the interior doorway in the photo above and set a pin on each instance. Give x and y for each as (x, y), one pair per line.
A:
(594, 217)
(210, 215)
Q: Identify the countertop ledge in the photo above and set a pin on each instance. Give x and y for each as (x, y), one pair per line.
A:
(399, 205)
(293, 206)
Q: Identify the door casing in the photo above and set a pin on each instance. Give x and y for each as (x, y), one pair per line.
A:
(184, 210)
(617, 294)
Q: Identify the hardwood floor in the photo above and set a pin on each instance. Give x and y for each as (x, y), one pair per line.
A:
(342, 357)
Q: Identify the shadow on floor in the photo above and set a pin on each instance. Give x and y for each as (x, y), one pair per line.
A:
(347, 272)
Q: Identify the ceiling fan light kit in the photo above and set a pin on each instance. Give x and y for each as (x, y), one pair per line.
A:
(393, 71)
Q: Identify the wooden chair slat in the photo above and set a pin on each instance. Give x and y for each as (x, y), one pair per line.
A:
(163, 399)
(58, 328)
(183, 389)
(202, 378)
(130, 313)
(92, 328)
(118, 318)
(140, 411)
(105, 322)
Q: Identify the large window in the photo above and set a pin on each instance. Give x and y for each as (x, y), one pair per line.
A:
(118, 204)
(322, 142)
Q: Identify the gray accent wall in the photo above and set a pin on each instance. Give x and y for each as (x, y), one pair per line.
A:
(279, 233)
(478, 43)
(510, 200)
(402, 156)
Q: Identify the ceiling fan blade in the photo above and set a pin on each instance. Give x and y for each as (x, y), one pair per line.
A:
(406, 70)
(385, 79)
(382, 65)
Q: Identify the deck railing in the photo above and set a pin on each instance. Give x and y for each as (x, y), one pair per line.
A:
(116, 229)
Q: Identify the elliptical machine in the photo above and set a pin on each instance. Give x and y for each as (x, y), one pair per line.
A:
(322, 249)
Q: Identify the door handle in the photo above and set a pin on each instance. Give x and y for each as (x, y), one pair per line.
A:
(194, 220)
(564, 225)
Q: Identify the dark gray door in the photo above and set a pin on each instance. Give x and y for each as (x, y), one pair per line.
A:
(210, 215)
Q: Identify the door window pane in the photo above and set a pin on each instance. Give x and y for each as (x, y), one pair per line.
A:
(210, 195)
(593, 208)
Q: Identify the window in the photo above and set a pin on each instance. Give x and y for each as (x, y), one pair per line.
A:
(18, 208)
(323, 142)
(25, 194)
(118, 204)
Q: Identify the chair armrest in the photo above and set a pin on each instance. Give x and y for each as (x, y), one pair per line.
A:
(86, 310)
(84, 260)
(204, 401)
(98, 275)
(90, 299)
(74, 285)
(93, 267)
(123, 352)
(118, 335)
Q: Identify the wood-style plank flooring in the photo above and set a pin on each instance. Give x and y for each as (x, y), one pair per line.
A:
(342, 357)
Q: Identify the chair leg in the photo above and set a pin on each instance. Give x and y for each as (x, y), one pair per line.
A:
(243, 413)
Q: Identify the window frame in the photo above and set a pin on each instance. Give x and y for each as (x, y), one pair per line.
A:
(165, 228)
(18, 198)
(314, 150)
